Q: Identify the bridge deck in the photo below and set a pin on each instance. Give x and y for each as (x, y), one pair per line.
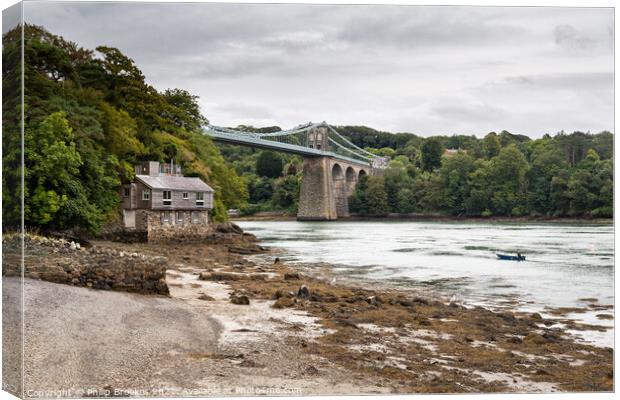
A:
(277, 146)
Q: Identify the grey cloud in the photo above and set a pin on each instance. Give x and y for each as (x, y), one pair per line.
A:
(427, 28)
(11, 17)
(568, 37)
(453, 109)
(563, 80)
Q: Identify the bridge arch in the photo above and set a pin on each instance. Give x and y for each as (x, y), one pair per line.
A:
(351, 181)
(337, 173)
(361, 173)
(350, 175)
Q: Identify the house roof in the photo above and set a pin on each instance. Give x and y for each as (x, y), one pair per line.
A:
(174, 183)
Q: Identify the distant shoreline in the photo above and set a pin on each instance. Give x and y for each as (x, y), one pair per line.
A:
(283, 216)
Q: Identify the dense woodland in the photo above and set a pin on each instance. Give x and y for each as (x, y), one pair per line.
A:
(90, 115)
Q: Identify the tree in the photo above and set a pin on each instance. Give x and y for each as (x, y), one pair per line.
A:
(454, 174)
(120, 133)
(578, 191)
(376, 196)
(396, 177)
(184, 110)
(490, 145)
(269, 164)
(406, 200)
(478, 201)
(508, 179)
(427, 189)
(56, 197)
(286, 192)
(546, 162)
(260, 189)
(358, 202)
(431, 152)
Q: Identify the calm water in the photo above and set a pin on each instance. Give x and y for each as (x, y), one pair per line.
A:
(565, 263)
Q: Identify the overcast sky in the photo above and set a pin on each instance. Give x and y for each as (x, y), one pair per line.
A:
(426, 70)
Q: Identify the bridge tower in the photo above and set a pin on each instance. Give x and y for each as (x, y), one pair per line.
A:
(327, 182)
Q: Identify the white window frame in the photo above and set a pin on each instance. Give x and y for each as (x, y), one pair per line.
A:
(185, 195)
(165, 217)
(200, 199)
(167, 201)
(195, 217)
(179, 217)
(146, 194)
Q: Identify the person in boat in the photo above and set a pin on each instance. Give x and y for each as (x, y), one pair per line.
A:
(519, 256)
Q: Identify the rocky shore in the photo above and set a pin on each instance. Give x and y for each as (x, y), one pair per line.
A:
(282, 332)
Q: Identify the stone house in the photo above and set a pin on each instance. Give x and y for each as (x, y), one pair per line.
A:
(165, 204)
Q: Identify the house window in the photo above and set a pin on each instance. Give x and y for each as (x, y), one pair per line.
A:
(200, 199)
(195, 217)
(146, 194)
(126, 192)
(180, 215)
(185, 195)
(165, 217)
(167, 197)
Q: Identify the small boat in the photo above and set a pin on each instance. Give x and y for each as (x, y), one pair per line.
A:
(510, 258)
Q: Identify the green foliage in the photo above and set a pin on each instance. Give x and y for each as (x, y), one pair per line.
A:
(501, 180)
(286, 192)
(52, 179)
(358, 203)
(454, 178)
(430, 157)
(89, 116)
(508, 173)
(269, 164)
(491, 145)
(376, 196)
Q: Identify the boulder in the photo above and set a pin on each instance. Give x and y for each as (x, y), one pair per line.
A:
(284, 302)
(534, 338)
(373, 301)
(240, 299)
(303, 292)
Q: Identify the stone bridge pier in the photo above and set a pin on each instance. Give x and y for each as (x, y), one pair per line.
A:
(326, 186)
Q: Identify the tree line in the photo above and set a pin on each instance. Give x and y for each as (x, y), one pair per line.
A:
(498, 175)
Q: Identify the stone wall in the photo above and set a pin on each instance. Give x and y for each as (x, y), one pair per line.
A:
(61, 261)
(186, 230)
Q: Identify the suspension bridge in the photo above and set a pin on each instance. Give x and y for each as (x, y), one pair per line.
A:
(309, 140)
(332, 164)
